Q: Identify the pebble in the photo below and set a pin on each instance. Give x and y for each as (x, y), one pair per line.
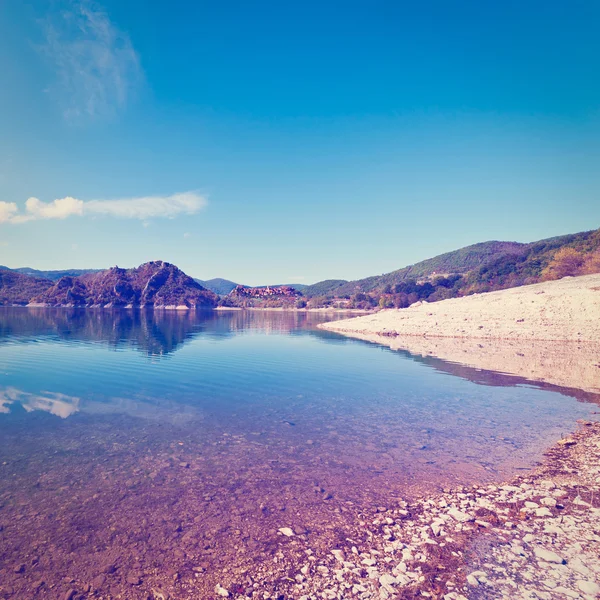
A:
(548, 556)
(460, 516)
(589, 588)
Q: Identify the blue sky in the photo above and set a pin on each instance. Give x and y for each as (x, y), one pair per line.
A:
(293, 141)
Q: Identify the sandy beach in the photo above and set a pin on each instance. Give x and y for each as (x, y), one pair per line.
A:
(564, 310)
(547, 332)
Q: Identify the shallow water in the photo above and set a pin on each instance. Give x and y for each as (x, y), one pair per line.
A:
(146, 445)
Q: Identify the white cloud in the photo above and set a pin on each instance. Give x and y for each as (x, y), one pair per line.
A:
(148, 207)
(144, 208)
(96, 66)
(58, 209)
(186, 235)
(7, 211)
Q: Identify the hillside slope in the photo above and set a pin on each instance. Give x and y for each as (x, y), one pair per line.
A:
(54, 275)
(481, 267)
(18, 289)
(458, 262)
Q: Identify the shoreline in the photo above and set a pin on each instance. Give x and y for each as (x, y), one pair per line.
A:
(547, 332)
(533, 536)
(565, 310)
(357, 311)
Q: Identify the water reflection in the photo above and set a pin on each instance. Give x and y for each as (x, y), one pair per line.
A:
(54, 403)
(571, 368)
(192, 438)
(153, 332)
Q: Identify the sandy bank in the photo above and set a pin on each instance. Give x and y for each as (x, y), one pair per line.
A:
(548, 332)
(564, 310)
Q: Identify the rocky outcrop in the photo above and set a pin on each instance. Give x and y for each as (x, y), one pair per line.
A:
(154, 284)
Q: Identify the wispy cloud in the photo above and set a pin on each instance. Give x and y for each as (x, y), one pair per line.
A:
(144, 208)
(96, 65)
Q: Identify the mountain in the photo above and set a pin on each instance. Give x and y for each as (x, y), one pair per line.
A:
(479, 267)
(296, 286)
(483, 267)
(222, 287)
(52, 275)
(16, 288)
(323, 288)
(219, 286)
(455, 262)
(155, 284)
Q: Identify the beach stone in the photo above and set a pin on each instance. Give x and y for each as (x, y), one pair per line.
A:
(579, 567)
(286, 531)
(460, 516)
(566, 592)
(549, 556)
(221, 591)
(589, 588)
(133, 579)
(387, 581)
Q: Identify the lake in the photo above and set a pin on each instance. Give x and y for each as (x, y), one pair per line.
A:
(148, 453)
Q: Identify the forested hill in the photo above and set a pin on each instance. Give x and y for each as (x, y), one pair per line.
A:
(52, 275)
(458, 261)
(218, 285)
(481, 267)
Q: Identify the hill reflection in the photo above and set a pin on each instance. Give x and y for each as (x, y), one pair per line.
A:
(155, 333)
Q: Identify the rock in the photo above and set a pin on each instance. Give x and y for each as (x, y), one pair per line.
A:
(548, 556)
(286, 531)
(566, 592)
(387, 581)
(221, 591)
(579, 567)
(472, 580)
(460, 516)
(548, 501)
(68, 595)
(339, 555)
(543, 512)
(133, 579)
(20, 568)
(566, 442)
(590, 588)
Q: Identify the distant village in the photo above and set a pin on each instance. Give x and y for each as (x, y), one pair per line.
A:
(265, 292)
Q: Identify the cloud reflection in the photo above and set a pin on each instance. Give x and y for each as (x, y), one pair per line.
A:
(54, 403)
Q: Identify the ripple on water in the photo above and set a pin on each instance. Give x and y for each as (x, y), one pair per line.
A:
(172, 448)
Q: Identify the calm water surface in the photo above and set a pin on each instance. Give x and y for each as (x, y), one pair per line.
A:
(157, 446)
